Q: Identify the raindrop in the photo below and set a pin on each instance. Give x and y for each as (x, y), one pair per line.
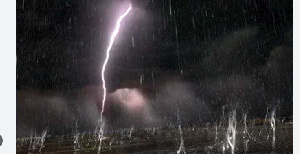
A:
(132, 41)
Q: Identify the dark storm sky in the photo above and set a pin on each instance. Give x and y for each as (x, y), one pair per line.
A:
(201, 55)
(60, 44)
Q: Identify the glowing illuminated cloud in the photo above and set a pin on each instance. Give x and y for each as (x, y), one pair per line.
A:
(132, 99)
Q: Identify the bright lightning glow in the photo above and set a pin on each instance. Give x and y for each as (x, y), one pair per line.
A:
(111, 42)
(112, 39)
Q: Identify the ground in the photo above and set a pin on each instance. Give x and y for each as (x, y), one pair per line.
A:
(256, 139)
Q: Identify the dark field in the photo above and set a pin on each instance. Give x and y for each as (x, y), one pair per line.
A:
(256, 139)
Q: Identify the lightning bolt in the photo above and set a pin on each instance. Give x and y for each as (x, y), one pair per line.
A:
(111, 42)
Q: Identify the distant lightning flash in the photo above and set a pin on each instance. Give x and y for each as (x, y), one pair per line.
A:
(111, 42)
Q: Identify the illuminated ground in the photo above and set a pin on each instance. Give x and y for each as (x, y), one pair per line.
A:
(204, 139)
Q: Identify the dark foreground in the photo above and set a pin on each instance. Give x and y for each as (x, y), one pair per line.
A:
(256, 139)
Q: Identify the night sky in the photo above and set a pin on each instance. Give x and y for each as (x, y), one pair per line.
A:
(227, 50)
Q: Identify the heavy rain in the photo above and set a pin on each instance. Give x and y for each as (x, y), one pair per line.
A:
(154, 76)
